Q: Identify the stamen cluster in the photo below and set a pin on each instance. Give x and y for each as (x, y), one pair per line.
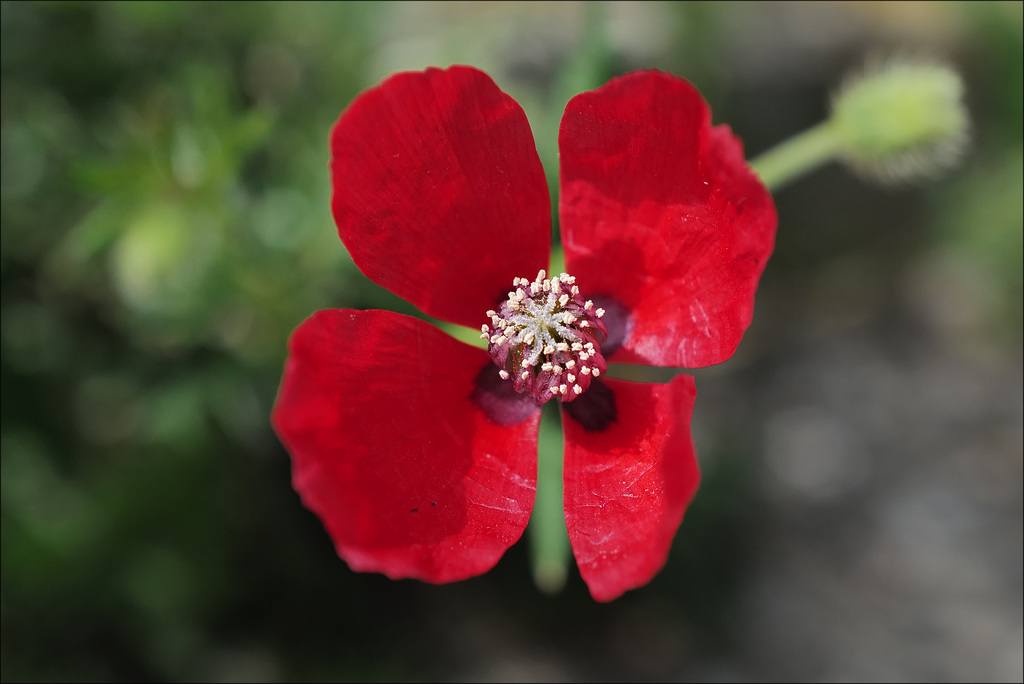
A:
(546, 338)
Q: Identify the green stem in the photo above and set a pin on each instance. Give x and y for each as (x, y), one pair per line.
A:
(797, 156)
(549, 541)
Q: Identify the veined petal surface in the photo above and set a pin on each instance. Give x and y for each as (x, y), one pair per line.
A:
(662, 221)
(394, 451)
(438, 192)
(630, 472)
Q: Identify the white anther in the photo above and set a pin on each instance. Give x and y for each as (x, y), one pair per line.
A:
(599, 313)
(548, 349)
(556, 285)
(584, 324)
(546, 366)
(577, 389)
(575, 290)
(557, 370)
(568, 318)
(484, 336)
(571, 363)
(564, 299)
(547, 285)
(503, 374)
(525, 375)
(554, 390)
(541, 275)
(570, 377)
(585, 370)
(562, 389)
(589, 305)
(589, 346)
(520, 294)
(565, 277)
(491, 313)
(562, 346)
(484, 328)
(576, 346)
(596, 372)
(528, 337)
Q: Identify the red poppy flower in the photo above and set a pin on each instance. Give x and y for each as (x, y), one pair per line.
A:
(417, 451)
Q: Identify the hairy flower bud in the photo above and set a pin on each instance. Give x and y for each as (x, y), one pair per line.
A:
(902, 120)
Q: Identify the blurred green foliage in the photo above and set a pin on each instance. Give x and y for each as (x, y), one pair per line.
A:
(166, 224)
(163, 232)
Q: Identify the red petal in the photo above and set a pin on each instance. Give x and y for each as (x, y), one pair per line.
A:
(662, 218)
(630, 472)
(390, 448)
(439, 194)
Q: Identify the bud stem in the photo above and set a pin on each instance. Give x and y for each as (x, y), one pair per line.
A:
(799, 155)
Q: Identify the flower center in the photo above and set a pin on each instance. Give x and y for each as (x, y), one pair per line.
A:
(546, 339)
